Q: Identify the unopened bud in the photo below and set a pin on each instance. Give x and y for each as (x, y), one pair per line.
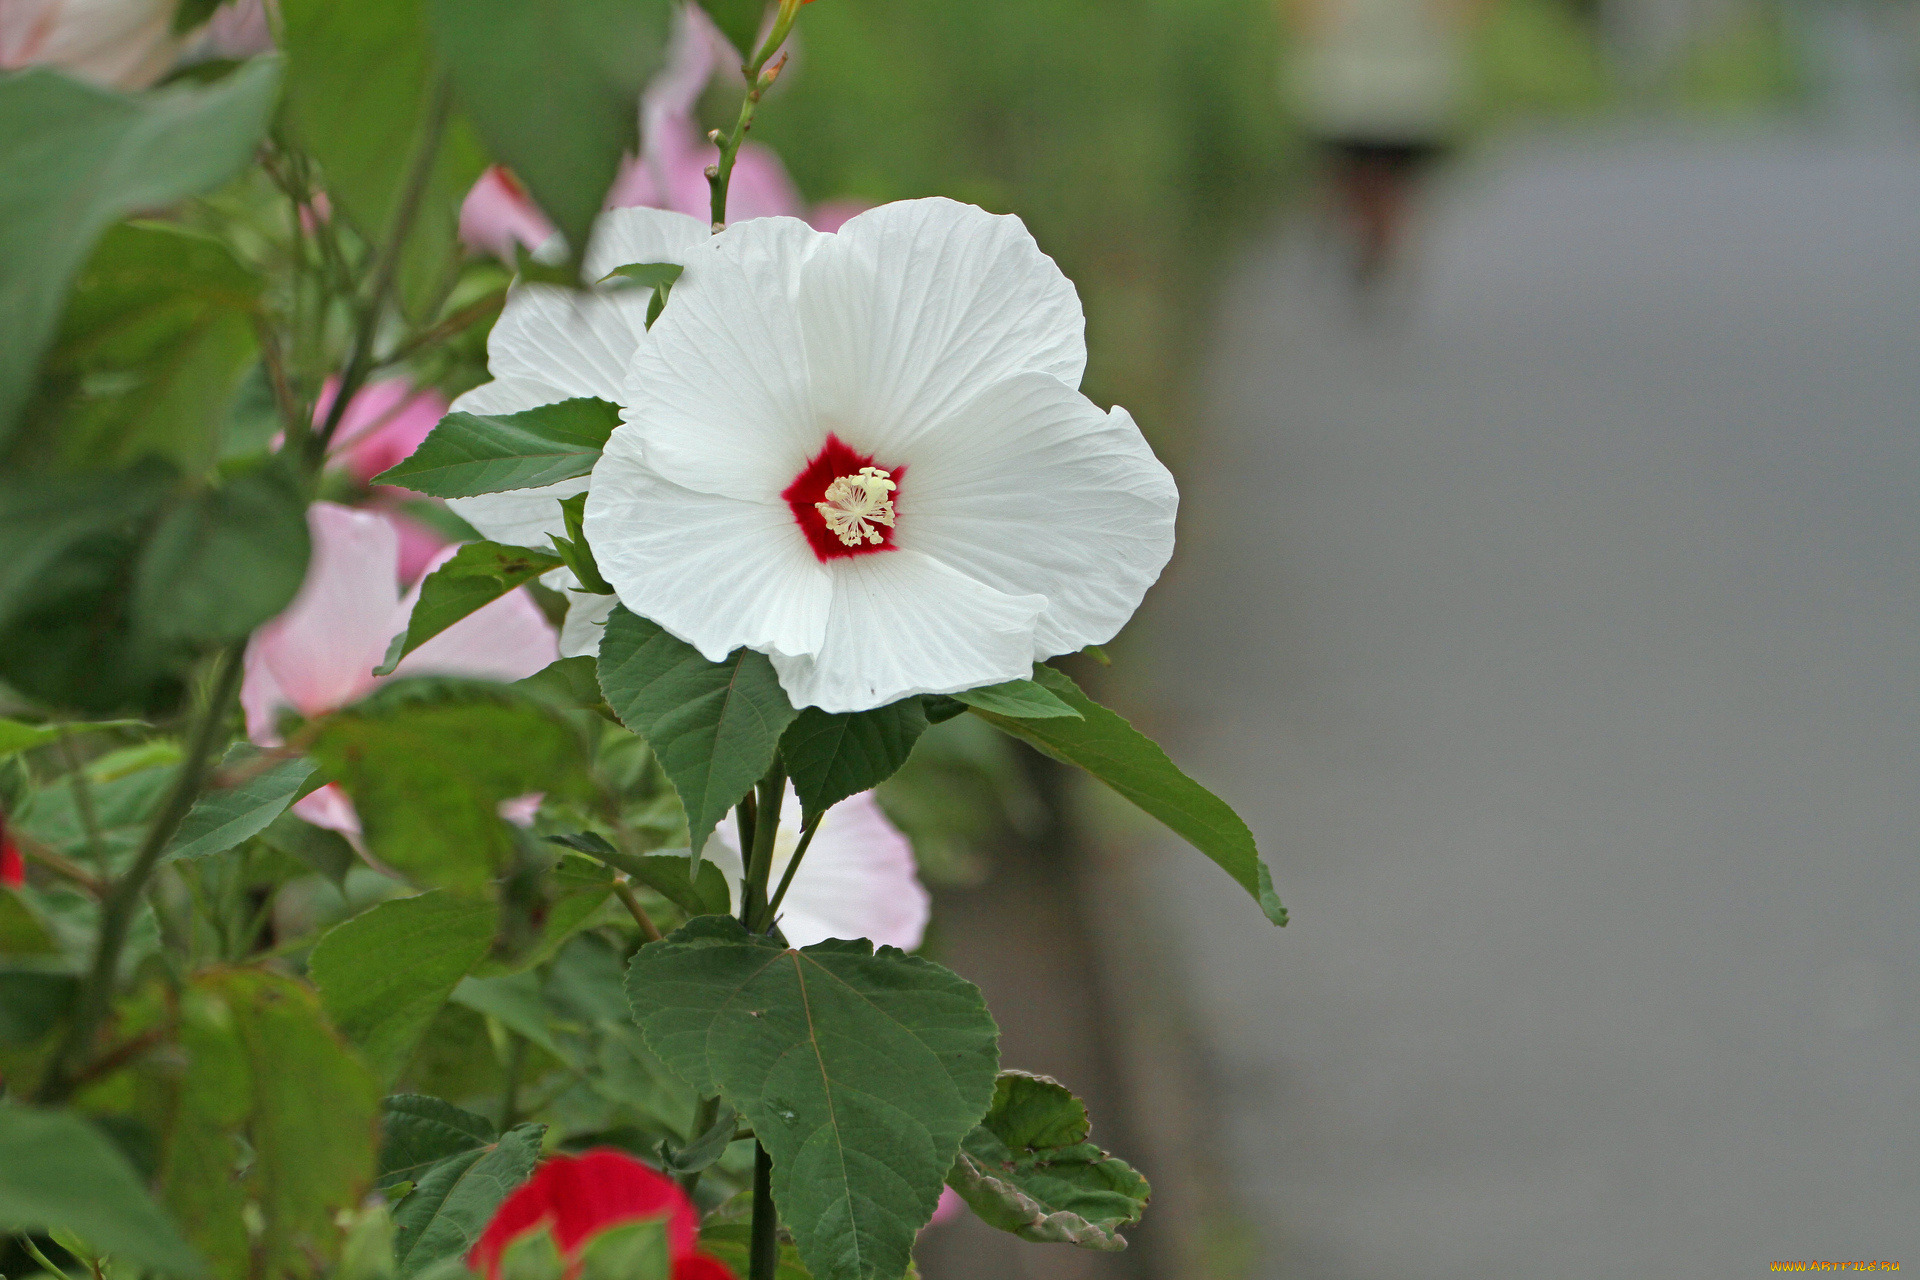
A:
(772, 73)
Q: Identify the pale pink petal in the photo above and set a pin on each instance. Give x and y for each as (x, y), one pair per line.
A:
(519, 810)
(760, 187)
(329, 807)
(383, 426)
(238, 30)
(951, 1207)
(320, 652)
(509, 639)
(420, 545)
(834, 214)
(121, 44)
(858, 879)
(499, 217)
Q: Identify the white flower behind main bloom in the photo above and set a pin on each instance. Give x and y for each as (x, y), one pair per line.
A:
(858, 879)
(863, 453)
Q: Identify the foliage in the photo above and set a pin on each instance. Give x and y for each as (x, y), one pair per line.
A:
(311, 997)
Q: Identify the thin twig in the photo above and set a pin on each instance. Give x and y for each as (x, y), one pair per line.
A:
(624, 891)
(116, 913)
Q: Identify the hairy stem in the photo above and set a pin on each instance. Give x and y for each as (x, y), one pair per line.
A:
(766, 830)
(703, 1117)
(763, 1257)
(386, 266)
(123, 899)
(624, 891)
(760, 78)
(793, 864)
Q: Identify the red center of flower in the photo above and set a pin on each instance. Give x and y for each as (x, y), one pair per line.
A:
(844, 502)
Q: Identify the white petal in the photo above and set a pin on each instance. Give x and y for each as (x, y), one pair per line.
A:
(510, 395)
(622, 237)
(519, 517)
(580, 343)
(903, 623)
(719, 390)
(858, 880)
(585, 623)
(715, 571)
(910, 307)
(1031, 488)
(319, 653)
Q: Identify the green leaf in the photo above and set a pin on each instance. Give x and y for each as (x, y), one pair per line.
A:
(153, 348)
(17, 736)
(418, 1132)
(451, 1205)
(67, 548)
(326, 853)
(551, 86)
(75, 159)
(359, 87)
(225, 560)
(384, 974)
(831, 755)
(471, 453)
(696, 889)
(1029, 1169)
(575, 550)
(714, 726)
(572, 683)
(56, 1170)
(861, 1073)
(221, 819)
(32, 1004)
(1113, 751)
(646, 275)
(631, 1251)
(274, 1111)
(706, 1148)
(428, 761)
(477, 575)
(1019, 699)
(732, 1243)
(22, 931)
(739, 21)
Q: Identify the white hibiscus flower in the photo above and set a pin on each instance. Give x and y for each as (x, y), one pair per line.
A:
(864, 454)
(857, 880)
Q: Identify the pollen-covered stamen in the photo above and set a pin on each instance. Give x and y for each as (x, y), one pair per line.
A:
(856, 503)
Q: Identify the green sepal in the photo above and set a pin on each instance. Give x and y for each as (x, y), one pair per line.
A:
(573, 548)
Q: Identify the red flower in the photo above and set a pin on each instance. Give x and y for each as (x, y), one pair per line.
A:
(578, 1197)
(13, 868)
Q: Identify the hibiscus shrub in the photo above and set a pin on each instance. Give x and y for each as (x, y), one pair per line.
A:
(458, 593)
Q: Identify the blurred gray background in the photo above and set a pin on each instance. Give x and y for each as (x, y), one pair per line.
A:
(1552, 611)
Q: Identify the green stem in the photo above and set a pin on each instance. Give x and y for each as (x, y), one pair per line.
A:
(766, 830)
(631, 901)
(83, 803)
(760, 78)
(704, 1116)
(123, 899)
(763, 1256)
(510, 1099)
(386, 267)
(793, 864)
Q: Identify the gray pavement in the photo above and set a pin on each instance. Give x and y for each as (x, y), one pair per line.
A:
(1555, 621)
